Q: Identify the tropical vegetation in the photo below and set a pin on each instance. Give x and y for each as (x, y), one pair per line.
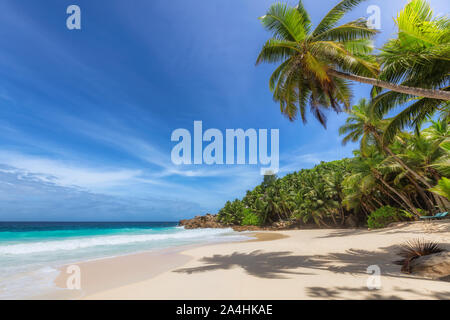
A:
(363, 187)
(401, 169)
(317, 62)
(386, 215)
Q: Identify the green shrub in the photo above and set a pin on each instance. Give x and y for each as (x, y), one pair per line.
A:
(386, 215)
(236, 213)
(250, 218)
(232, 212)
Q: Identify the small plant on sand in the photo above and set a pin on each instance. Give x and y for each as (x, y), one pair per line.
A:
(414, 249)
(386, 215)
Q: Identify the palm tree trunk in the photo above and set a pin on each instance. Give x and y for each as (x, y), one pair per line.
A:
(323, 222)
(419, 92)
(422, 194)
(373, 203)
(342, 214)
(401, 196)
(366, 208)
(413, 173)
(377, 201)
(333, 218)
(400, 161)
(401, 204)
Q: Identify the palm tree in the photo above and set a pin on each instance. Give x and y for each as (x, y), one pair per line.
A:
(365, 124)
(317, 62)
(426, 153)
(334, 190)
(359, 188)
(367, 173)
(418, 57)
(362, 125)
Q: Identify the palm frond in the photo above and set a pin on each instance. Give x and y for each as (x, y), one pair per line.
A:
(413, 115)
(275, 50)
(304, 15)
(354, 30)
(334, 15)
(285, 23)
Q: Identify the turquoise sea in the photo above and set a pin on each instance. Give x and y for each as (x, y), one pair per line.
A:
(31, 252)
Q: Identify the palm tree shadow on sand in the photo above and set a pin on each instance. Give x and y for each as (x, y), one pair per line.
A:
(340, 293)
(271, 265)
(279, 265)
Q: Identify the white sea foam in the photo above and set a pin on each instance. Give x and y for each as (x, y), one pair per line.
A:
(87, 242)
(29, 267)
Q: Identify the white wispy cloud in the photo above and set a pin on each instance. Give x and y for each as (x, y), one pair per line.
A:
(66, 173)
(25, 196)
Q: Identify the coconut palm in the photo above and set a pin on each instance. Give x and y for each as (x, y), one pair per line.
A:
(419, 57)
(366, 125)
(368, 172)
(425, 153)
(363, 125)
(316, 63)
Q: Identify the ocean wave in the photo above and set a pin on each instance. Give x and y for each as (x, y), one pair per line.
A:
(87, 242)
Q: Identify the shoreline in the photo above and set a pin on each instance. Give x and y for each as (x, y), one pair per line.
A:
(133, 267)
(293, 264)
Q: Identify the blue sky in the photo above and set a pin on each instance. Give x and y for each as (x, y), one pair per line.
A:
(86, 115)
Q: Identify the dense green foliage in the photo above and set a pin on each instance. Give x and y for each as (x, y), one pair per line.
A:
(383, 216)
(442, 188)
(250, 218)
(232, 212)
(308, 195)
(375, 178)
(396, 174)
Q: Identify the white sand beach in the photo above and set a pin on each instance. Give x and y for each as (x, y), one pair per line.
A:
(297, 264)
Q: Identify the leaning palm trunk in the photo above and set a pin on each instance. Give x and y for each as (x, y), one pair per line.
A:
(422, 194)
(332, 213)
(440, 203)
(401, 196)
(419, 92)
(380, 204)
(404, 166)
(437, 198)
(414, 174)
(390, 195)
(400, 161)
